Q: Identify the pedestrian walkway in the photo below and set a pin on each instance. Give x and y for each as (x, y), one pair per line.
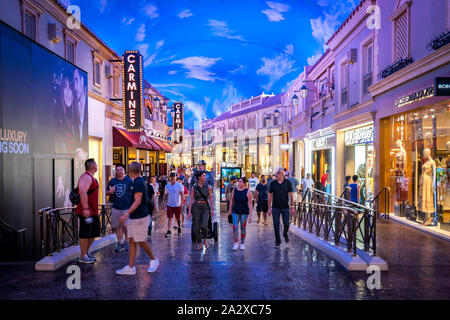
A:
(419, 269)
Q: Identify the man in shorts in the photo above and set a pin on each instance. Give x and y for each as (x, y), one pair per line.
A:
(87, 211)
(137, 220)
(119, 192)
(173, 201)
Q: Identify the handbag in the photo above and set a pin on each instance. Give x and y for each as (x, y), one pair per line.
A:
(230, 219)
(204, 198)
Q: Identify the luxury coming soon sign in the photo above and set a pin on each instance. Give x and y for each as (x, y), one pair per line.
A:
(133, 114)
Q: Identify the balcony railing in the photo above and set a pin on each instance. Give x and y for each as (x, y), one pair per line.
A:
(396, 66)
(367, 82)
(440, 41)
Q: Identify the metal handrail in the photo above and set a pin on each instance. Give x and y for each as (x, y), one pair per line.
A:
(365, 221)
(387, 201)
(58, 233)
(342, 199)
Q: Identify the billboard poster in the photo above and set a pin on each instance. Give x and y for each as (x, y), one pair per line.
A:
(133, 112)
(225, 174)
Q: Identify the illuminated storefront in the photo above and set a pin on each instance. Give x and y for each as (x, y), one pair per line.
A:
(416, 157)
(359, 159)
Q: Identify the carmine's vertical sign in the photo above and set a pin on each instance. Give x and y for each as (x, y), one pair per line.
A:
(133, 114)
(178, 121)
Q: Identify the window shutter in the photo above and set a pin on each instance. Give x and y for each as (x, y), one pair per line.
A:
(401, 37)
(30, 25)
(70, 51)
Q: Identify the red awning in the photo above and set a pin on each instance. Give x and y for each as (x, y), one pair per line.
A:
(164, 145)
(123, 138)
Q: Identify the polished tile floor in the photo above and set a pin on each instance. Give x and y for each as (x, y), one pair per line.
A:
(419, 269)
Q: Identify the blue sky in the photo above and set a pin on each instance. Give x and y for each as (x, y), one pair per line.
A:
(210, 54)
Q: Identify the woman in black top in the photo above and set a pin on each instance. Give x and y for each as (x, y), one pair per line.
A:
(240, 209)
(199, 208)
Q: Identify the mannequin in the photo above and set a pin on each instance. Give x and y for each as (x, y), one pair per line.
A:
(401, 181)
(427, 188)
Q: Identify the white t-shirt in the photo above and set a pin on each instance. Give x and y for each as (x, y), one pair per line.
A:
(253, 182)
(155, 187)
(307, 183)
(174, 193)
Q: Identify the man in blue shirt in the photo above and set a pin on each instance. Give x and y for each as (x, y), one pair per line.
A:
(138, 221)
(119, 194)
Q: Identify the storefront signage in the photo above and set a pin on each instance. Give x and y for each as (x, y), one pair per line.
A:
(178, 121)
(228, 165)
(133, 115)
(442, 86)
(323, 143)
(13, 141)
(416, 96)
(284, 146)
(358, 136)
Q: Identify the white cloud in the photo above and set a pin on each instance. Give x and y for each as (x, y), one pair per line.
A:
(313, 59)
(221, 29)
(276, 68)
(171, 72)
(289, 49)
(159, 44)
(196, 109)
(151, 11)
(185, 14)
(274, 14)
(103, 4)
(140, 35)
(197, 67)
(170, 85)
(127, 21)
(229, 97)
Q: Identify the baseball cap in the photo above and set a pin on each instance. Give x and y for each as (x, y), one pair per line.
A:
(173, 174)
(202, 162)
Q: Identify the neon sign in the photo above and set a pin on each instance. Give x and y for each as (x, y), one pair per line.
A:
(133, 114)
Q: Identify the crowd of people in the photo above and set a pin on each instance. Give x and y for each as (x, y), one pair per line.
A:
(187, 193)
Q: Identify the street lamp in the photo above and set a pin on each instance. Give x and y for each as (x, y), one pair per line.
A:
(303, 91)
(276, 113)
(295, 100)
(156, 100)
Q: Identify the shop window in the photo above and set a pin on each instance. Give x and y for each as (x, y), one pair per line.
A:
(116, 83)
(416, 164)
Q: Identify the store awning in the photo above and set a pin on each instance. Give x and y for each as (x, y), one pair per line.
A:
(123, 138)
(164, 145)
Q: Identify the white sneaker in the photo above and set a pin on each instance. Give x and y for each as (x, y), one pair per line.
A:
(242, 247)
(127, 271)
(235, 246)
(154, 264)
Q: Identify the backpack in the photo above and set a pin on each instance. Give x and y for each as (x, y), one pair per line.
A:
(75, 197)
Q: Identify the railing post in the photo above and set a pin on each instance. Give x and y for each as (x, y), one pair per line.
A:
(374, 237)
(47, 233)
(355, 223)
(366, 218)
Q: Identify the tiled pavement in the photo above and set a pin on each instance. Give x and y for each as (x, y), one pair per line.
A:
(419, 269)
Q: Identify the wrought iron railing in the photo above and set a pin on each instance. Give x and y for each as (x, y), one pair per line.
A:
(394, 67)
(441, 40)
(375, 202)
(59, 227)
(363, 223)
